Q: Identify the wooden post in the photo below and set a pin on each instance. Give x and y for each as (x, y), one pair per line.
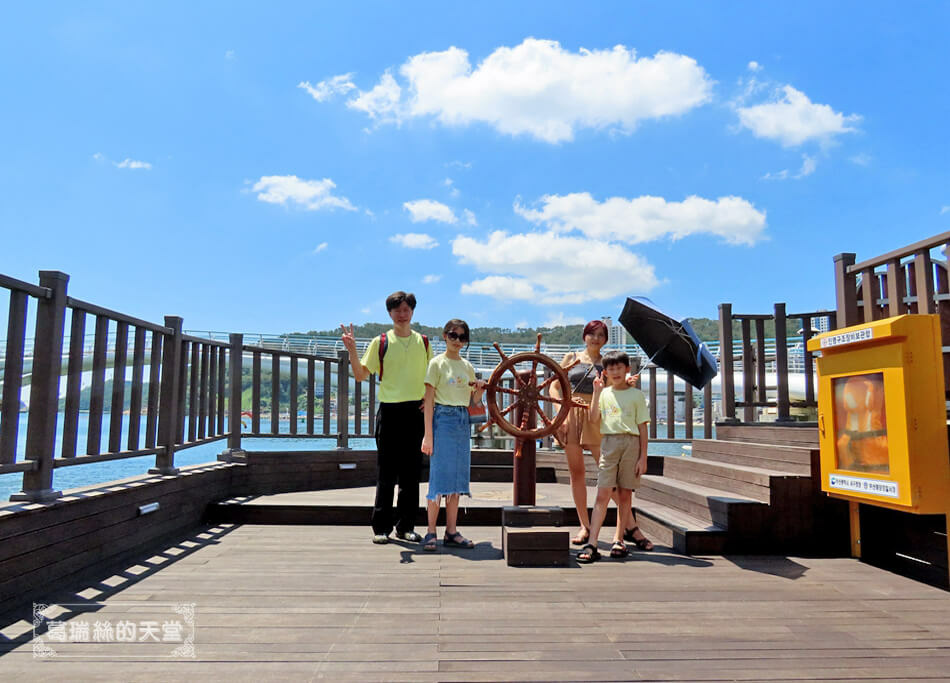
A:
(748, 410)
(169, 405)
(44, 390)
(923, 267)
(854, 511)
(846, 291)
(524, 476)
(670, 405)
(236, 361)
(896, 287)
(342, 401)
(727, 379)
(781, 364)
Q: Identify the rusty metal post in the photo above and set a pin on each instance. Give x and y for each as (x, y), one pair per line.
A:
(44, 390)
(525, 467)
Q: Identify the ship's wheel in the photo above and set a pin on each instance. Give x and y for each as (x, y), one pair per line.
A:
(527, 394)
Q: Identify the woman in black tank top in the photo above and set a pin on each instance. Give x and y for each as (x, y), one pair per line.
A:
(576, 435)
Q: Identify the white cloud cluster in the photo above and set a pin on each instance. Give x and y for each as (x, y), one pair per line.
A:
(551, 268)
(414, 240)
(133, 164)
(320, 247)
(422, 210)
(646, 218)
(561, 320)
(809, 164)
(536, 88)
(324, 90)
(311, 195)
(431, 279)
(792, 119)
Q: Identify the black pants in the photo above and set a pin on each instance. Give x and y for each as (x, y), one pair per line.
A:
(399, 431)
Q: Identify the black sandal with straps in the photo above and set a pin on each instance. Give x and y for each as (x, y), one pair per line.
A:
(588, 554)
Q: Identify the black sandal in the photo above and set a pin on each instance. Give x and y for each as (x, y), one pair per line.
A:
(618, 550)
(457, 540)
(588, 554)
(644, 543)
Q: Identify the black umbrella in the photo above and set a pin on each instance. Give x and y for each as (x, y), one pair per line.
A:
(671, 345)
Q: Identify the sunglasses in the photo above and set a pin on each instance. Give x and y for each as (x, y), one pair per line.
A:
(456, 337)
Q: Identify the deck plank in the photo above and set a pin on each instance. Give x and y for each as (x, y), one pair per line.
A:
(322, 602)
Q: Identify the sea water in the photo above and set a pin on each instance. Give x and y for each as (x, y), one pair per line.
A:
(75, 476)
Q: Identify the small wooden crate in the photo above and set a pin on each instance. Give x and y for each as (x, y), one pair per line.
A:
(531, 536)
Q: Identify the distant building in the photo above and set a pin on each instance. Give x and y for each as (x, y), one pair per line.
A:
(616, 334)
(822, 324)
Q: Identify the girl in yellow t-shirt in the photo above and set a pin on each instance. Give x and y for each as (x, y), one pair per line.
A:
(450, 384)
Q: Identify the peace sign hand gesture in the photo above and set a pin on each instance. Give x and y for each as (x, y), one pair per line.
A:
(349, 341)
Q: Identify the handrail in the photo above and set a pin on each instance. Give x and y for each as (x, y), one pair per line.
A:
(172, 390)
(923, 245)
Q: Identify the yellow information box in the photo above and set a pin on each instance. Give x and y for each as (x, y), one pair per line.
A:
(882, 420)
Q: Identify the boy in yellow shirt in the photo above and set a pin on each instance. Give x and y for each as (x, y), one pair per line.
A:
(621, 412)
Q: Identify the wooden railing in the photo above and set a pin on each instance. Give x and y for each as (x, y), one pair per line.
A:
(172, 391)
(755, 364)
(908, 280)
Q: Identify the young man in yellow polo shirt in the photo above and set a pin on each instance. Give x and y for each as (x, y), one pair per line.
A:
(399, 421)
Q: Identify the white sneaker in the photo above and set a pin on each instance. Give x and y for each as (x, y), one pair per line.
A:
(380, 539)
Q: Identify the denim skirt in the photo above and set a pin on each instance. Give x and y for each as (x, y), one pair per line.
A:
(451, 461)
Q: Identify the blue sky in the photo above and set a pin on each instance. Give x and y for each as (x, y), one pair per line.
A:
(279, 168)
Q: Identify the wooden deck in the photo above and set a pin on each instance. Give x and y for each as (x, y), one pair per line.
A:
(304, 603)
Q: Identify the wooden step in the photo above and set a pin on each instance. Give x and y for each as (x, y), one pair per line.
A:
(789, 459)
(505, 474)
(732, 512)
(742, 480)
(801, 434)
(675, 529)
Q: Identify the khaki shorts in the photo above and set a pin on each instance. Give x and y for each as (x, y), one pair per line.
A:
(577, 429)
(618, 461)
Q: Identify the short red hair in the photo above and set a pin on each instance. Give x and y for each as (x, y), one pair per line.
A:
(594, 326)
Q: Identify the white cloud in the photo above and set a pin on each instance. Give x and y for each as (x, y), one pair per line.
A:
(459, 164)
(861, 159)
(312, 195)
(647, 218)
(324, 90)
(320, 247)
(809, 164)
(431, 279)
(792, 119)
(539, 89)
(367, 309)
(98, 156)
(453, 191)
(944, 209)
(552, 269)
(133, 164)
(469, 217)
(382, 103)
(561, 320)
(414, 240)
(754, 66)
(421, 210)
(522, 325)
